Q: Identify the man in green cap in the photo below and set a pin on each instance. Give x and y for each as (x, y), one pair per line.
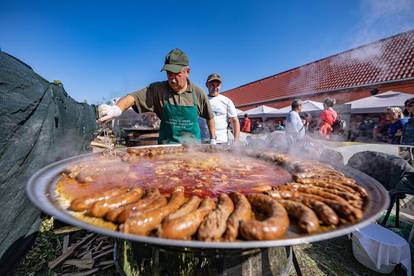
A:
(177, 102)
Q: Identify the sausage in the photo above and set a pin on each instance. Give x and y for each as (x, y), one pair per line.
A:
(357, 188)
(307, 220)
(260, 189)
(280, 194)
(278, 158)
(241, 213)
(188, 207)
(143, 224)
(331, 185)
(100, 208)
(329, 193)
(143, 204)
(137, 209)
(342, 181)
(183, 227)
(85, 202)
(275, 226)
(342, 208)
(314, 190)
(214, 225)
(323, 211)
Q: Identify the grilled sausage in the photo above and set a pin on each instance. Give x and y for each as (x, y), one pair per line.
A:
(275, 226)
(131, 211)
(331, 185)
(342, 181)
(144, 223)
(260, 189)
(146, 203)
(183, 227)
(342, 208)
(357, 188)
(323, 211)
(329, 193)
(241, 213)
(214, 225)
(188, 207)
(85, 202)
(100, 208)
(307, 220)
(324, 193)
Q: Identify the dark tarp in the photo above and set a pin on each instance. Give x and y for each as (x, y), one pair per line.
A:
(40, 124)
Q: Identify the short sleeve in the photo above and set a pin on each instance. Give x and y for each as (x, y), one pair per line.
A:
(231, 109)
(143, 99)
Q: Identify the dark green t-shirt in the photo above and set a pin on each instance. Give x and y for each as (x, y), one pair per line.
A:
(152, 97)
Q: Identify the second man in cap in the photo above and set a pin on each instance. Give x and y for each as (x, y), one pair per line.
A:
(223, 110)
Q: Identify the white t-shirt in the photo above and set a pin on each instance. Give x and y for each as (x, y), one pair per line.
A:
(223, 109)
(294, 125)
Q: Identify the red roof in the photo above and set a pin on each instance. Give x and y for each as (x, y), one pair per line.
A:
(382, 61)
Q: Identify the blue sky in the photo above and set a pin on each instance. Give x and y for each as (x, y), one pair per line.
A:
(104, 49)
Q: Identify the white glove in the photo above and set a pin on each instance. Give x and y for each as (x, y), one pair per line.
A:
(213, 141)
(108, 112)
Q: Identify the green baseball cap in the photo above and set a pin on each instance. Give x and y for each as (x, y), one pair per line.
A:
(175, 61)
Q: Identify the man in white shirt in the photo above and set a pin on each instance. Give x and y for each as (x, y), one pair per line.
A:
(294, 125)
(223, 110)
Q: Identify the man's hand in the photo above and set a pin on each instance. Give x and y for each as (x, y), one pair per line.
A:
(213, 141)
(108, 112)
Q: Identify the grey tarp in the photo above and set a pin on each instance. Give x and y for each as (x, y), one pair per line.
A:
(40, 123)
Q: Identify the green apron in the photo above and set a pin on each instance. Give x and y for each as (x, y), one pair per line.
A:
(179, 123)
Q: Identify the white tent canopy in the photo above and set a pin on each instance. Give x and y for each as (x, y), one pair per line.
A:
(239, 112)
(378, 103)
(308, 106)
(261, 111)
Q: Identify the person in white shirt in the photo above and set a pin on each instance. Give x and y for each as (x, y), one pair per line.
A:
(223, 110)
(294, 124)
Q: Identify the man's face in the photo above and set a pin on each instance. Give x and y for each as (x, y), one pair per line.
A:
(178, 81)
(214, 87)
(300, 107)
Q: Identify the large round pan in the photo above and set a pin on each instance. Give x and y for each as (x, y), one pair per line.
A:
(41, 191)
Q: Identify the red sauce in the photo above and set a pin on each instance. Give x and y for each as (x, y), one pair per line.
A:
(201, 174)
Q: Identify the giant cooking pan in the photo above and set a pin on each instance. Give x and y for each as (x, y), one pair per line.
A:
(41, 191)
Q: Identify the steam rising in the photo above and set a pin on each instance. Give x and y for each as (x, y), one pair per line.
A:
(378, 19)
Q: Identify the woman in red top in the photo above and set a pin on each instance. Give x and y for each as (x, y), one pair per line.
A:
(328, 117)
(247, 124)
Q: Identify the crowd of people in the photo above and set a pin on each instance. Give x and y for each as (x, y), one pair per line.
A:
(394, 126)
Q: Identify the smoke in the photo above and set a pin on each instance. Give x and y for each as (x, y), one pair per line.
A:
(382, 18)
(306, 148)
(378, 19)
